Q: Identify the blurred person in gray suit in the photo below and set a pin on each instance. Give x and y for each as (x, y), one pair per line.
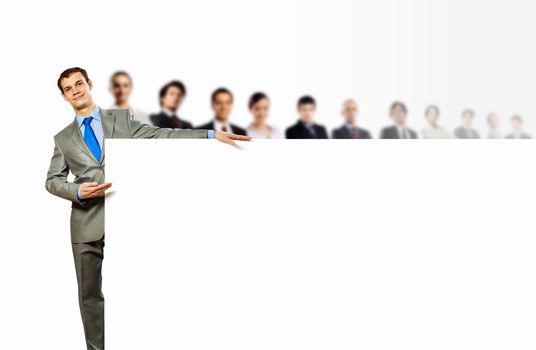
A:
(350, 130)
(121, 89)
(466, 131)
(432, 130)
(399, 114)
(517, 129)
(79, 149)
(493, 123)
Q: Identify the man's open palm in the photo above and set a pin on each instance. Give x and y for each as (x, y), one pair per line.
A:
(230, 138)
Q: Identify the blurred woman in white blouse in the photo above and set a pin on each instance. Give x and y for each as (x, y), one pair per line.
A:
(259, 106)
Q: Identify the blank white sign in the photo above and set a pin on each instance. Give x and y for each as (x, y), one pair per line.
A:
(320, 245)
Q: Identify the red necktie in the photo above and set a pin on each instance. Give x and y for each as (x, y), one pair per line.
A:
(355, 133)
(224, 128)
(176, 122)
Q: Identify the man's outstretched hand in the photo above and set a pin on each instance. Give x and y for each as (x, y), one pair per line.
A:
(93, 189)
(230, 138)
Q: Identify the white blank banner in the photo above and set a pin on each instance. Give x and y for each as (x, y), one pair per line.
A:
(320, 245)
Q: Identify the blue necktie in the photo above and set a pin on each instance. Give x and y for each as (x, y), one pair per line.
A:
(91, 140)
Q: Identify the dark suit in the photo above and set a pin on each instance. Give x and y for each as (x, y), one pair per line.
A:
(464, 133)
(522, 136)
(391, 132)
(301, 131)
(234, 129)
(344, 132)
(162, 120)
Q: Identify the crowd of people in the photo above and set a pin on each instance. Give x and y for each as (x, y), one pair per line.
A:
(173, 93)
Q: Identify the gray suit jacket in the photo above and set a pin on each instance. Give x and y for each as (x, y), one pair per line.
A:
(72, 154)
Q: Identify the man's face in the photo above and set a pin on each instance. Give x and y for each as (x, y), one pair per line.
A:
(432, 116)
(516, 125)
(399, 116)
(121, 88)
(467, 119)
(222, 106)
(172, 99)
(77, 91)
(493, 121)
(307, 112)
(350, 112)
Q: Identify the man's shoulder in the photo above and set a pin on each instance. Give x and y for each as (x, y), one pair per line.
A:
(63, 132)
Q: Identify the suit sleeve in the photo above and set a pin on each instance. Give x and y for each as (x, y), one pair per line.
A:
(58, 171)
(143, 131)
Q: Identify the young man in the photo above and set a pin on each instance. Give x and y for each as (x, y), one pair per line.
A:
(493, 124)
(171, 96)
(121, 89)
(79, 149)
(466, 131)
(517, 129)
(305, 128)
(399, 114)
(350, 130)
(222, 104)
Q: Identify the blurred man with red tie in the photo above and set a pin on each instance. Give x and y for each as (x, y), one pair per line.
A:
(222, 101)
(350, 130)
(171, 96)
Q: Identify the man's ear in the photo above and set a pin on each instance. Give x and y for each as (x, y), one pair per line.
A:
(90, 83)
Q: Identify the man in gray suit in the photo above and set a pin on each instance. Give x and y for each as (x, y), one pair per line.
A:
(79, 149)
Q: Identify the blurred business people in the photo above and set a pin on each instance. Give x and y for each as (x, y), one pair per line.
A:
(517, 129)
(399, 114)
(432, 130)
(306, 128)
(493, 124)
(121, 89)
(466, 131)
(171, 96)
(259, 106)
(222, 104)
(350, 130)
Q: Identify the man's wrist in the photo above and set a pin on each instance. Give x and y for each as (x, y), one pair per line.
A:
(79, 195)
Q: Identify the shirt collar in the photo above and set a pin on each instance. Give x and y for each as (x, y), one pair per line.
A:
(168, 112)
(219, 125)
(95, 113)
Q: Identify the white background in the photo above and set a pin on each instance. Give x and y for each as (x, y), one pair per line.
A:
(323, 253)
(455, 53)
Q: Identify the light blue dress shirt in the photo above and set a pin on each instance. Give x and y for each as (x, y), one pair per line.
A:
(96, 125)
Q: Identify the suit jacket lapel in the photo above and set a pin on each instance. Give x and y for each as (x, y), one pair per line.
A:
(76, 135)
(108, 124)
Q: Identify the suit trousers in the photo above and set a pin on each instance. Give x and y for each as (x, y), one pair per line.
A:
(88, 263)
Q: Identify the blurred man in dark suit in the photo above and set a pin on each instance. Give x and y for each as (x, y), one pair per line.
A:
(305, 128)
(350, 111)
(222, 104)
(466, 131)
(399, 114)
(517, 129)
(171, 96)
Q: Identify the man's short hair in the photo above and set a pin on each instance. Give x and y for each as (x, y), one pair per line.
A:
(517, 118)
(175, 83)
(396, 105)
(120, 73)
(70, 71)
(221, 90)
(306, 100)
(468, 111)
